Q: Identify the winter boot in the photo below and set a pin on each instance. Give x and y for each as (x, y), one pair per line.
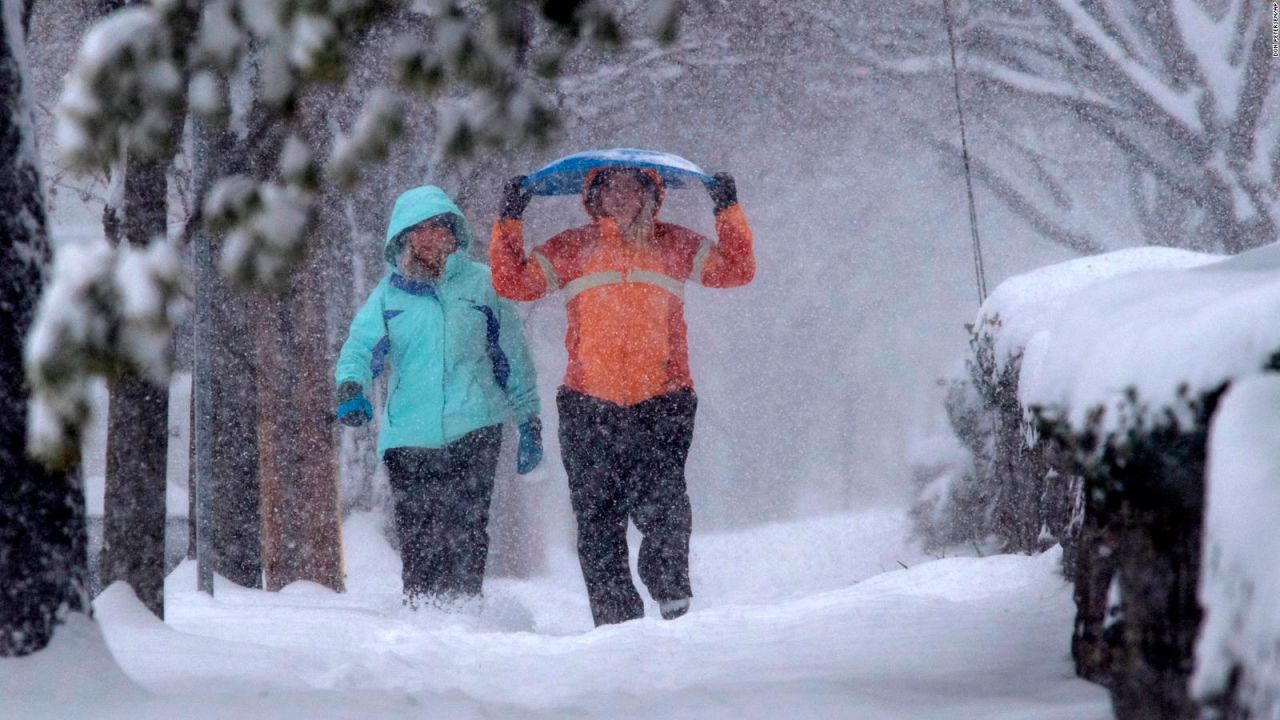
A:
(672, 609)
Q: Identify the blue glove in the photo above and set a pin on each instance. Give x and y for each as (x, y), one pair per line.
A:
(353, 409)
(530, 452)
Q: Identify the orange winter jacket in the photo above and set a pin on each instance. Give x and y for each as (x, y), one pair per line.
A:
(626, 334)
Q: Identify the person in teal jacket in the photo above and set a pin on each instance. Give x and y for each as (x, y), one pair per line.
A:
(457, 369)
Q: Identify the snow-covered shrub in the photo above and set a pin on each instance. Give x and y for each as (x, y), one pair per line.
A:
(951, 508)
(1019, 495)
(1112, 368)
(1139, 547)
(1123, 378)
(1237, 671)
(1015, 469)
(1004, 498)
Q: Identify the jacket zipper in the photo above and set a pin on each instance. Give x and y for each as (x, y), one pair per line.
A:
(443, 330)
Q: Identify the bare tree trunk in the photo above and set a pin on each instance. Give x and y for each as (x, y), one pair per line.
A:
(236, 492)
(43, 569)
(301, 517)
(138, 430)
(224, 433)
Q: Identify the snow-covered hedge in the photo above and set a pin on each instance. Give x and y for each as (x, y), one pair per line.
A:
(1011, 495)
(951, 506)
(1116, 364)
(1237, 665)
(986, 489)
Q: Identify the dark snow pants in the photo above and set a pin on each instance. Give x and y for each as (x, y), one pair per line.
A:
(442, 514)
(628, 462)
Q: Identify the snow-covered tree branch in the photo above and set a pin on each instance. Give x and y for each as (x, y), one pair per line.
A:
(1186, 91)
(249, 65)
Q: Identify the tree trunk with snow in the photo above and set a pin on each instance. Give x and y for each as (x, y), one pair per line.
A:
(302, 533)
(138, 427)
(229, 430)
(43, 573)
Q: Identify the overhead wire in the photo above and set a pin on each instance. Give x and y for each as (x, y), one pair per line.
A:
(979, 268)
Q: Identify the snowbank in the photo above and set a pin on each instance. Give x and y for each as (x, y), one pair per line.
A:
(1240, 584)
(74, 677)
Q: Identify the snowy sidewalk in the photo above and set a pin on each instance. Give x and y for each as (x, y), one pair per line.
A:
(769, 637)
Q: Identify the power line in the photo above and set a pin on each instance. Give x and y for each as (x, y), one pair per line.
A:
(979, 270)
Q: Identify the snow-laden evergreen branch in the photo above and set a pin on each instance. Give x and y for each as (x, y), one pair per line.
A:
(143, 70)
(379, 125)
(123, 92)
(105, 311)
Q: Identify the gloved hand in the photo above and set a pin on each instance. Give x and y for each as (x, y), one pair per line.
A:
(530, 452)
(515, 198)
(723, 192)
(353, 409)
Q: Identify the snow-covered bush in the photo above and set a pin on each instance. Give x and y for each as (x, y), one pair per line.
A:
(1005, 498)
(951, 507)
(1121, 362)
(1138, 547)
(1017, 495)
(1237, 667)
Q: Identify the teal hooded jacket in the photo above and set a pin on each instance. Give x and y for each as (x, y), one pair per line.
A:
(455, 352)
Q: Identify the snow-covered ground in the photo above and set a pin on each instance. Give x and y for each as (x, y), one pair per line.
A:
(817, 619)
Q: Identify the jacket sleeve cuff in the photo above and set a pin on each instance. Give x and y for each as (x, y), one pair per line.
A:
(728, 208)
(525, 409)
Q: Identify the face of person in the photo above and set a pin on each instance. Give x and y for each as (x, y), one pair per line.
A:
(430, 245)
(622, 197)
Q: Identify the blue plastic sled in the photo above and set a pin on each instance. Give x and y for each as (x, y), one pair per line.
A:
(566, 175)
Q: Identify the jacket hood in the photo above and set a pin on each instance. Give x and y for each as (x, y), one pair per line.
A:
(590, 179)
(418, 205)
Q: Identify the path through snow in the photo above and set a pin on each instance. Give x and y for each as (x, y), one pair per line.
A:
(805, 620)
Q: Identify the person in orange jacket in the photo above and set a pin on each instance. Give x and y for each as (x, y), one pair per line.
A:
(627, 404)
